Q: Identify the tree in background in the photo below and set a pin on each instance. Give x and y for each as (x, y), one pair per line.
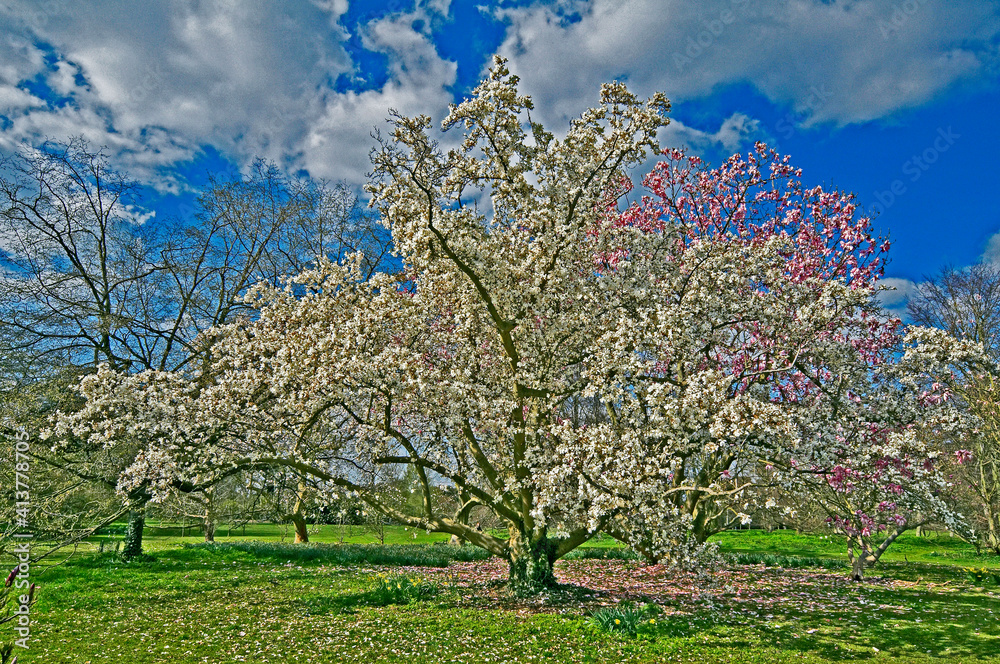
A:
(232, 501)
(966, 304)
(89, 281)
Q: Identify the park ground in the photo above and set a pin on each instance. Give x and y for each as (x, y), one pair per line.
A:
(780, 597)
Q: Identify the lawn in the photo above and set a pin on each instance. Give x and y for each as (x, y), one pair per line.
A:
(166, 535)
(274, 602)
(931, 548)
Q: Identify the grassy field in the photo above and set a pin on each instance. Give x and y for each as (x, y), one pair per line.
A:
(158, 536)
(937, 548)
(275, 602)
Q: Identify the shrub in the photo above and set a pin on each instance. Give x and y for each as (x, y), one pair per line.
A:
(400, 589)
(625, 618)
(977, 575)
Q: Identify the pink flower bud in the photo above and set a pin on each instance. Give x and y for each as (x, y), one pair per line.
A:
(10, 577)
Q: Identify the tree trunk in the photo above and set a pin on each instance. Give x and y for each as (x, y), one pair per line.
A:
(857, 558)
(858, 568)
(133, 534)
(699, 523)
(992, 528)
(298, 518)
(209, 529)
(867, 556)
(208, 520)
(301, 528)
(993, 541)
(531, 561)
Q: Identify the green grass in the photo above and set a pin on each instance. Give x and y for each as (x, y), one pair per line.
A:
(168, 535)
(162, 535)
(159, 537)
(196, 604)
(273, 602)
(933, 548)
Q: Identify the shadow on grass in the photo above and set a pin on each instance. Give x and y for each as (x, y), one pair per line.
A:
(324, 605)
(385, 593)
(403, 555)
(900, 623)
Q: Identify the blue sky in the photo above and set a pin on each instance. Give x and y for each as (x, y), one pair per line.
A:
(896, 100)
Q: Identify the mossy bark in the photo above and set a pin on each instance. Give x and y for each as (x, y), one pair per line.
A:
(531, 564)
(133, 534)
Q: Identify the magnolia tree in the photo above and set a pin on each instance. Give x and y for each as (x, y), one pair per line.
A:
(550, 358)
(884, 470)
(753, 355)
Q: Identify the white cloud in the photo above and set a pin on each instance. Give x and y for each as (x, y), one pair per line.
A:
(734, 132)
(869, 57)
(896, 292)
(156, 82)
(339, 140)
(173, 76)
(19, 58)
(15, 99)
(992, 251)
(896, 295)
(137, 215)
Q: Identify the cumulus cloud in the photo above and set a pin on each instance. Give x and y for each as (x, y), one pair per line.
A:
(157, 82)
(166, 78)
(992, 252)
(896, 292)
(735, 131)
(895, 295)
(338, 141)
(870, 57)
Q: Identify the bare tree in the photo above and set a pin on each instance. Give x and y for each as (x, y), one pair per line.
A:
(965, 303)
(74, 253)
(88, 281)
